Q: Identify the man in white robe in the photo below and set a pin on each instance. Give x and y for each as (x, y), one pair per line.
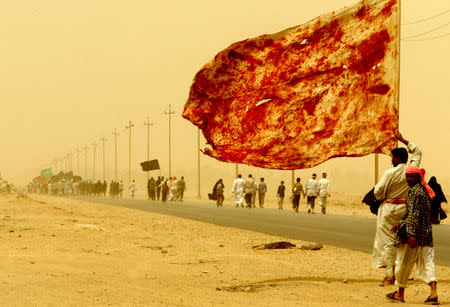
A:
(238, 190)
(324, 192)
(132, 189)
(393, 189)
(312, 190)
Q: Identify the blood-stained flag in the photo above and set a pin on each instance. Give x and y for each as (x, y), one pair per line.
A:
(294, 99)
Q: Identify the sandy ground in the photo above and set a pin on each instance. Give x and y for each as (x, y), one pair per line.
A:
(63, 252)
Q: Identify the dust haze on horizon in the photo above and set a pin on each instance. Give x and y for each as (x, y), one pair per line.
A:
(72, 72)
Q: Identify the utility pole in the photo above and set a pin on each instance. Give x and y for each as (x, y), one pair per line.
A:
(115, 133)
(103, 139)
(198, 163)
(55, 164)
(78, 161)
(85, 161)
(293, 178)
(376, 169)
(148, 124)
(170, 113)
(129, 126)
(237, 170)
(70, 161)
(95, 147)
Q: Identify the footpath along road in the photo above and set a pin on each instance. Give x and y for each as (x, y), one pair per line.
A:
(337, 230)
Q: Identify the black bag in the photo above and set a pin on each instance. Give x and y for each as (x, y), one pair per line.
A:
(442, 214)
(370, 200)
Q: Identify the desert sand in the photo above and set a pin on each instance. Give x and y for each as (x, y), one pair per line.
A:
(63, 252)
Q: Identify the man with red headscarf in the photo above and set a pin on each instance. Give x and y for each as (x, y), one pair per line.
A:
(393, 189)
(415, 238)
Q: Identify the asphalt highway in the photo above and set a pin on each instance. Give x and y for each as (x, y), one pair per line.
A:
(337, 230)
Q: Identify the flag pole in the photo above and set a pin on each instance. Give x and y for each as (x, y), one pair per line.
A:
(198, 163)
(292, 178)
(399, 54)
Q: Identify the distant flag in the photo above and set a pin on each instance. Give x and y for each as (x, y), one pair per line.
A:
(297, 98)
(150, 165)
(47, 173)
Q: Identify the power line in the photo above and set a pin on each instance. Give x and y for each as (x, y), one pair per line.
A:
(427, 39)
(426, 19)
(429, 31)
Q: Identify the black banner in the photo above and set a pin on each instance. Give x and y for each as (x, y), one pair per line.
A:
(150, 165)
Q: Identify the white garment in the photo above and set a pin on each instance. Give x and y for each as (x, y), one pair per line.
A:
(384, 250)
(323, 201)
(393, 183)
(324, 187)
(422, 256)
(238, 190)
(132, 189)
(312, 187)
(391, 186)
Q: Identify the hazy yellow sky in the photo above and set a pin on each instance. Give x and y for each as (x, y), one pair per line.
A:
(72, 71)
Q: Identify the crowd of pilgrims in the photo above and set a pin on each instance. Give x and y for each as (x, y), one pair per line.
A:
(172, 189)
(164, 189)
(69, 187)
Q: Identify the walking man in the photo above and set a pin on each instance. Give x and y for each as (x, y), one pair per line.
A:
(312, 189)
(324, 192)
(280, 195)
(238, 190)
(249, 190)
(393, 190)
(415, 238)
(219, 193)
(132, 189)
(298, 191)
(181, 188)
(158, 186)
(262, 189)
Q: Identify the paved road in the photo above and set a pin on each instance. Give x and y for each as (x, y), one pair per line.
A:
(337, 230)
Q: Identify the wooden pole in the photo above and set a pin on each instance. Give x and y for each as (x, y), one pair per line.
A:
(95, 152)
(292, 178)
(237, 170)
(78, 161)
(170, 113)
(85, 162)
(115, 153)
(129, 126)
(148, 124)
(198, 163)
(376, 169)
(103, 139)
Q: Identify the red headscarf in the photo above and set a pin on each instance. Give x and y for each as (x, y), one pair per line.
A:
(415, 170)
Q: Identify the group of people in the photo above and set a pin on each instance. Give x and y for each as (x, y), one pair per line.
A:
(404, 223)
(166, 189)
(313, 189)
(247, 190)
(70, 187)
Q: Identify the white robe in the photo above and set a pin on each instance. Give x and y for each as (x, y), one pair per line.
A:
(238, 190)
(324, 191)
(422, 256)
(132, 189)
(391, 186)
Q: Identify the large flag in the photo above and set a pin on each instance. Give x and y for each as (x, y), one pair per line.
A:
(46, 173)
(293, 99)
